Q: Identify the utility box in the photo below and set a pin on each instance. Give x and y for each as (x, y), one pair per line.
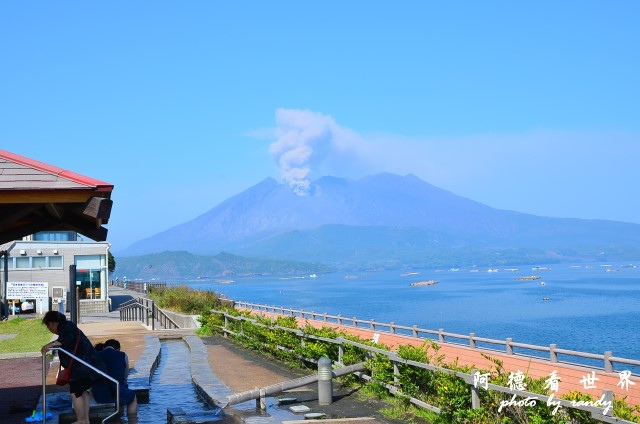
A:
(59, 295)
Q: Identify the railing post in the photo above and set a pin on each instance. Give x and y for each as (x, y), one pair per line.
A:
(475, 393)
(608, 399)
(472, 342)
(608, 366)
(396, 369)
(153, 315)
(340, 349)
(392, 327)
(440, 335)
(414, 330)
(355, 322)
(325, 317)
(226, 325)
(373, 324)
(509, 347)
(553, 356)
(339, 319)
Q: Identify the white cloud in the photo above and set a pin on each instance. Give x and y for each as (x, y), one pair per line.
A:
(553, 173)
(309, 142)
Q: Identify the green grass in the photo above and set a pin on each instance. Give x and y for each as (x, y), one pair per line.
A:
(31, 335)
(185, 299)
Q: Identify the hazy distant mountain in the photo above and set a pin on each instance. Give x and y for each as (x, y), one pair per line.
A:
(178, 266)
(387, 220)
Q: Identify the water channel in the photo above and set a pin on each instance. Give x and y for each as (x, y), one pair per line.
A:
(171, 387)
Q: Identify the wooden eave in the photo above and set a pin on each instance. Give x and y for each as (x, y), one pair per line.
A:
(36, 197)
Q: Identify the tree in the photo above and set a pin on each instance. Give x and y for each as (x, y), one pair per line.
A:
(112, 263)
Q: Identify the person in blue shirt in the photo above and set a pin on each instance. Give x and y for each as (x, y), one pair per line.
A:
(117, 363)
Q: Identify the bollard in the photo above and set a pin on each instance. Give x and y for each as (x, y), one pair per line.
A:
(325, 383)
(263, 400)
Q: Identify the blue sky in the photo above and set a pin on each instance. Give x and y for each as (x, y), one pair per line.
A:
(527, 106)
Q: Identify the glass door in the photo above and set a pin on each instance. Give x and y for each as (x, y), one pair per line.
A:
(89, 283)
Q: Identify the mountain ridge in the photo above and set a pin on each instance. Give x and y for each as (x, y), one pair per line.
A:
(381, 219)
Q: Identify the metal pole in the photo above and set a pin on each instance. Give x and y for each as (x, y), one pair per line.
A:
(44, 387)
(73, 292)
(5, 301)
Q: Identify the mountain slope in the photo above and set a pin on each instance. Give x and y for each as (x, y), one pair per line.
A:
(386, 218)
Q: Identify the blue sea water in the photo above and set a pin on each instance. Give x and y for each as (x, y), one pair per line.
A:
(589, 309)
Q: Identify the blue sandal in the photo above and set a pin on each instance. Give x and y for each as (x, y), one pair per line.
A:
(36, 416)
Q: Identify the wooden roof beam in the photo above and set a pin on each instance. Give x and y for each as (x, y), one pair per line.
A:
(46, 196)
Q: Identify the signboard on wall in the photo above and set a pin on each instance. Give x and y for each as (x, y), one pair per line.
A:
(27, 290)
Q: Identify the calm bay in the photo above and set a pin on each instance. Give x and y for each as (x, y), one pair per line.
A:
(591, 308)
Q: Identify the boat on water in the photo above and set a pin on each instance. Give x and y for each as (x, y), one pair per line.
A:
(313, 276)
(225, 281)
(528, 278)
(537, 268)
(424, 283)
(407, 274)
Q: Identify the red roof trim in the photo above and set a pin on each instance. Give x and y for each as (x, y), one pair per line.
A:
(80, 179)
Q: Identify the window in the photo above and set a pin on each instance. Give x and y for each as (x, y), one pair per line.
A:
(39, 262)
(55, 236)
(33, 262)
(23, 262)
(55, 261)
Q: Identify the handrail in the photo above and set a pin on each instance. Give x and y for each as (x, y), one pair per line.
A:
(139, 310)
(44, 382)
(140, 286)
(604, 414)
(440, 336)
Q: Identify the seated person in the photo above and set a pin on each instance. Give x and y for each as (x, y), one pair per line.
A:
(117, 364)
